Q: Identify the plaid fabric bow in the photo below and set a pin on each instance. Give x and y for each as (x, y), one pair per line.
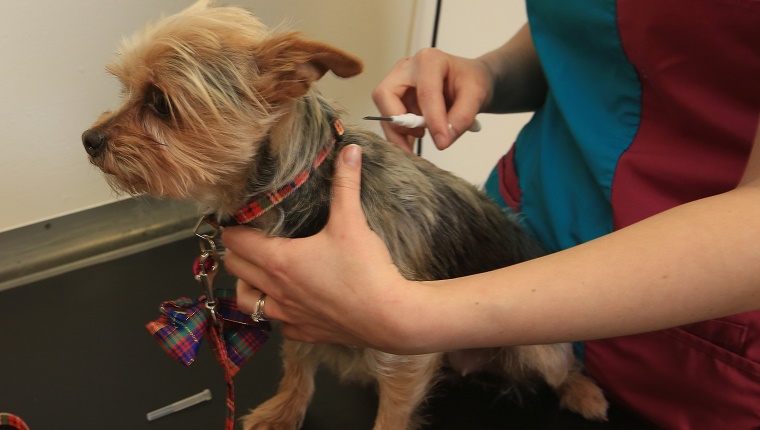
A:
(185, 322)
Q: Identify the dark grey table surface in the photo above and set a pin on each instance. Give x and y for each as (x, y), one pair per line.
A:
(74, 354)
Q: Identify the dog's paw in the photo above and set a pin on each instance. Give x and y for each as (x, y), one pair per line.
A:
(584, 397)
(271, 416)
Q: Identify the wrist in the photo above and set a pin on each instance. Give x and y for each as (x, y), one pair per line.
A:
(517, 80)
(491, 78)
(404, 319)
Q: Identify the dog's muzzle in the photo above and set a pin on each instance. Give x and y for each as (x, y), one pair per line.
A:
(94, 142)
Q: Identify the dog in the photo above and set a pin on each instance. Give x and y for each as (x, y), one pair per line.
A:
(219, 109)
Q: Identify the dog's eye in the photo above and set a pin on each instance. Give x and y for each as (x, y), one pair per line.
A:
(159, 104)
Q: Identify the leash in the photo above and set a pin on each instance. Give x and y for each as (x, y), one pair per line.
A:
(184, 322)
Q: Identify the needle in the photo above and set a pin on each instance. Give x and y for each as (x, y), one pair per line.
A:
(411, 120)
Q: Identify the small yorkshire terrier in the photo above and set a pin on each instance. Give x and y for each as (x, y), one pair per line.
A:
(219, 109)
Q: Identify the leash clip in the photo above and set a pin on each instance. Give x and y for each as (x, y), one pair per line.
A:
(207, 263)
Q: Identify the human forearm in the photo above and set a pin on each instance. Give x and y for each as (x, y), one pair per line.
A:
(642, 278)
(519, 84)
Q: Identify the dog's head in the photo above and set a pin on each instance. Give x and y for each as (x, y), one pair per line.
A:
(201, 90)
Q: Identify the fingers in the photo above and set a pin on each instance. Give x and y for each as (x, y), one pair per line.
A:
(394, 95)
(448, 91)
(247, 296)
(465, 86)
(259, 249)
(250, 250)
(346, 188)
(415, 85)
(252, 281)
(462, 113)
(430, 74)
(310, 282)
(245, 261)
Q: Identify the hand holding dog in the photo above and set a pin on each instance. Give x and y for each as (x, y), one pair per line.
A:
(299, 275)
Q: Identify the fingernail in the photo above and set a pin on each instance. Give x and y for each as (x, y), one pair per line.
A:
(453, 133)
(352, 156)
(440, 141)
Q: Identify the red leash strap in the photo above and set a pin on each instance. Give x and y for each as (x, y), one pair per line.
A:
(220, 351)
(204, 270)
(184, 322)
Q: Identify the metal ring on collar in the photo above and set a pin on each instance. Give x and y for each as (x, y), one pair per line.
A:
(258, 311)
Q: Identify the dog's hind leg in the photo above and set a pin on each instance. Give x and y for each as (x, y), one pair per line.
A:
(403, 382)
(577, 392)
(580, 394)
(286, 410)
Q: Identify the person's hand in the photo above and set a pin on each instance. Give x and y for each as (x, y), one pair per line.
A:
(447, 90)
(338, 286)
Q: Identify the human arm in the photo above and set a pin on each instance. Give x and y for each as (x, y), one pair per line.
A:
(447, 89)
(695, 262)
(691, 263)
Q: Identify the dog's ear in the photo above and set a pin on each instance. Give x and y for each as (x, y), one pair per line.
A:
(294, 63)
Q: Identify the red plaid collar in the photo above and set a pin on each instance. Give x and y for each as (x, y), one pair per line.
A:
(261, 204)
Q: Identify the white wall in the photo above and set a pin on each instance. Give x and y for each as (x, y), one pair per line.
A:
(53, 85)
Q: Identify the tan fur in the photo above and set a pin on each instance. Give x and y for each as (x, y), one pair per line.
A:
(217, 108)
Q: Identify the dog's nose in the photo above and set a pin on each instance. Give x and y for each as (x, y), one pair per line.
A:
(94, 142)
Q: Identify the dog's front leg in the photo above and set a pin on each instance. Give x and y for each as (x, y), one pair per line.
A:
(286, 410)
(403, 382)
